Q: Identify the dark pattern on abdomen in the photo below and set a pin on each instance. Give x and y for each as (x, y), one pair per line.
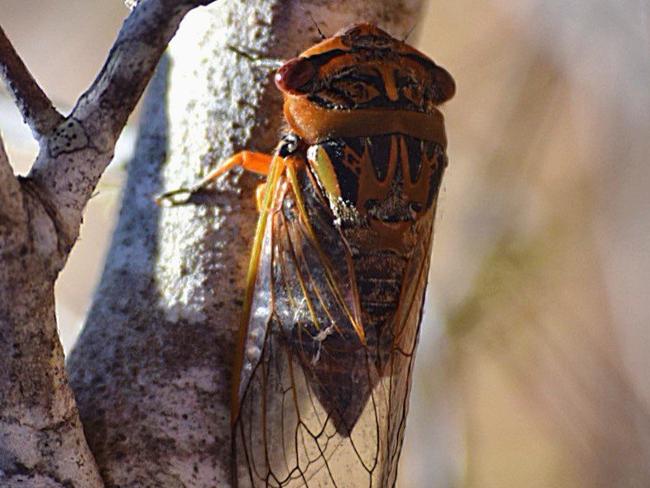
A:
(379, 277)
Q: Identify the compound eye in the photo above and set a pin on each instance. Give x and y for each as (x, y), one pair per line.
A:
(294, 75)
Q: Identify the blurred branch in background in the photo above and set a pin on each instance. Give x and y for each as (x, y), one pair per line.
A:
(525, 325)
(542, 341)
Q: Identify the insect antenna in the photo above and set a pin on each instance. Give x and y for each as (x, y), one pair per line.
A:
(410, 31)
(256, 59)
(322, 36)
(320, 32)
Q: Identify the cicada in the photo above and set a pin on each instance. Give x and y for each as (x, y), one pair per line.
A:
(339, 264)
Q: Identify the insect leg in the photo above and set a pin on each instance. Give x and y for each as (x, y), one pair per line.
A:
(275, 171)
(259, 196)
(251, 161)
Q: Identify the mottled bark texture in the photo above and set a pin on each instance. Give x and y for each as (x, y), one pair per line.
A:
(151, 370)
(42, 442)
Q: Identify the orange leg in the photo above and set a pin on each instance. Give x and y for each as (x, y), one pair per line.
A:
(251, 161)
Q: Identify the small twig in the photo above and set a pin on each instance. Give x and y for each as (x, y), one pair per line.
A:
(37, 110)
(131, 62)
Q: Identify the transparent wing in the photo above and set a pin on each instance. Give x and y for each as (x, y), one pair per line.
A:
(319, 407)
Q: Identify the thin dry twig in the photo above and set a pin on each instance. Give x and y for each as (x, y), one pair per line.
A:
(36, 108)
(130, 64)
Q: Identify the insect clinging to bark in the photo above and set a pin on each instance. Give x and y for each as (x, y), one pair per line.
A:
(339, 264)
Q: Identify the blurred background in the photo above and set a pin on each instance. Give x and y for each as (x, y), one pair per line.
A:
(533, 364)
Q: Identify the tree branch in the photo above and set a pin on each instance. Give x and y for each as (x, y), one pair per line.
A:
(73, 157)
(152, 367)
(106, 105)
(42, 442)
(36, 108)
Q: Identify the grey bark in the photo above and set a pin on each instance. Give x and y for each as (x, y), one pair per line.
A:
(151, 369)
(42, 442)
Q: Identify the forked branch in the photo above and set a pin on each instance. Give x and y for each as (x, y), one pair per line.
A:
(76, 153)
(42, 440)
